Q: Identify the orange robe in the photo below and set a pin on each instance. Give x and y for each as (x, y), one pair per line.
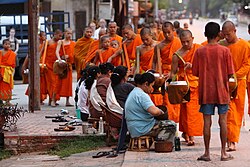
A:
(7, 65)
(95, 45)
(204, 43)
(167, 53)
(240, 53)
(131, 48)
(161, 36)
(50, 76)
(81, 49)
(191, 120)
(104, 55)
(64, 86)
(248, 88)
(166, 59)
(146, 60)
(43, 87)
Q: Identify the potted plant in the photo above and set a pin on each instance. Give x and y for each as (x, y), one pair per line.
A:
(9, 114)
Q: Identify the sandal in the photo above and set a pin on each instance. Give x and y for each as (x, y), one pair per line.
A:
(65, 128)
(101, 154)
(203, 158)
(190, 143)
(230, 157)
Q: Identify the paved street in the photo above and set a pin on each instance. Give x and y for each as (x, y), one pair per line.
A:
(37, 124)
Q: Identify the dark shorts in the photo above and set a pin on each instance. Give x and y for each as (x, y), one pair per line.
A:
(208, 109)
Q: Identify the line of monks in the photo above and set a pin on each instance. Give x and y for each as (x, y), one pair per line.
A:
(149, 49)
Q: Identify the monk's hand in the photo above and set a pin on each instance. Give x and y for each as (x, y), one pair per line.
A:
(66, 56)
(187, 65)
(109, 59)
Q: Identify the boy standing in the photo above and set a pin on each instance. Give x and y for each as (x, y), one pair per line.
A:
(213, 88)
(7, 65)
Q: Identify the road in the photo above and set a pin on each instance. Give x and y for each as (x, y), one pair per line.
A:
(198, 29)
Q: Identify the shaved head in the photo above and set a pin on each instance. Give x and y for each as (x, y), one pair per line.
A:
(145, 31)
(127, 26)
(229, 32)
(185, 33)
(168, 24)
(228, 25)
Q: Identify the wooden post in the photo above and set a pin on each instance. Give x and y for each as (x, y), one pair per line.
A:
(34, 77)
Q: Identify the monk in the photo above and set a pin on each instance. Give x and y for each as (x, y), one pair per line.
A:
(240, 50)
(65, 51)
(191, 123)
(7, 66)
(105, 52)
(50, 76)
(213, 65)
(145, 51)
(129, 45)
(144, 59)
(81, 49)
(248, 80)
(112, 29)
(94, 46)
(42, 54)
(163, 53)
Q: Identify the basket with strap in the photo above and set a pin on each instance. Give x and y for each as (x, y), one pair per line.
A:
(179, 91)
(61, 67)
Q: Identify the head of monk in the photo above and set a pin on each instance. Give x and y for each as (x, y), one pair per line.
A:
(112, 28)
(68, 33)
(229, 32)
(88, 32)
(186, 38)
(127, 31)
(105, 42)
(168, 30)
(57, 35)
(42, 36)
(146, 36)
(102, 32)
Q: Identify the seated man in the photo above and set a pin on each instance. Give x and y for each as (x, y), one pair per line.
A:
(139, 108)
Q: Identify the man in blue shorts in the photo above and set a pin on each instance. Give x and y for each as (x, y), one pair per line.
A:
(214, 66)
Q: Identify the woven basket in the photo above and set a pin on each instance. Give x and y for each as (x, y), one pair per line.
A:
(163, 146)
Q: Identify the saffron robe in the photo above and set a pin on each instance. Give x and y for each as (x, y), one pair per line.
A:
(241, 55)
(104, 55)
(94, 46)
(80, 51)
(7, 65)
(131, 48)
(50, 76)
(166, 59)
(161, 36)
(191, 120)
(64, 86)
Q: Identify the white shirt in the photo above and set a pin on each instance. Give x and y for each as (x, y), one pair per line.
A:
(83, 99)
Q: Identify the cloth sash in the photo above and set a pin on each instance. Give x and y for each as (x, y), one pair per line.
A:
(95, 97)
(111, 101)
(8, 75)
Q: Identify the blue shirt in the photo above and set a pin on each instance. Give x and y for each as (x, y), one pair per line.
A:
(139, 120)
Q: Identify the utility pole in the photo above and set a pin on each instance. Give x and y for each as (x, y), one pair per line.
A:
(203, 8)
(156, 10)
(34, 72)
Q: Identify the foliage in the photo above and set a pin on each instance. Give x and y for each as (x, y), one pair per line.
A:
(11, 114)
(5, 154)
(72, 146)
